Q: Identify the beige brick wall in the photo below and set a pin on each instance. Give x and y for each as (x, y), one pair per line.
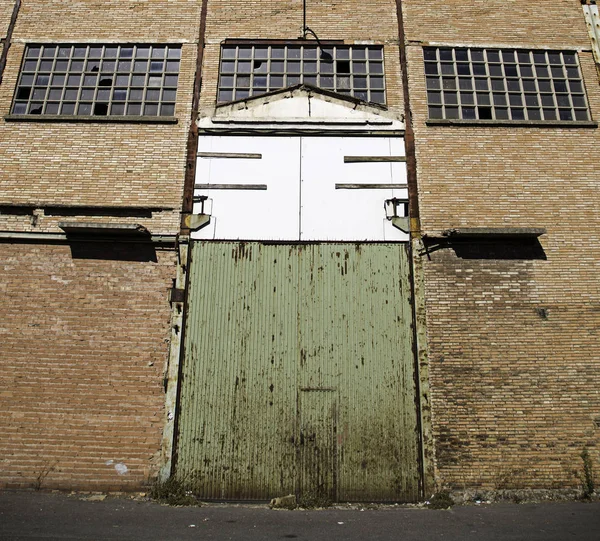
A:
(84, 163)
(83, 344)
(514, 395)
(85, 328)
(353, 22)
(499, 22)
(127, 20)
(6, 11)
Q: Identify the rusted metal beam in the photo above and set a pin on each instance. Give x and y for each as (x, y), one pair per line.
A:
(417, 285)
(230, 186)
(369, 186)
(8, 39)
(249, 156)
(374, 159)
(409, 134)
(192, 142)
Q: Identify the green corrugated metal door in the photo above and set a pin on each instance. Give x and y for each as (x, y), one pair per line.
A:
(298, 374)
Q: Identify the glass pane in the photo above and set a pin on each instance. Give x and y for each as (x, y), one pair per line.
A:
(33, 52)
(467, 98)
(84, 109)
(174, 53)
(152, 95)
(151, 109)
(434, 97)
(433, 82)
(67, 109)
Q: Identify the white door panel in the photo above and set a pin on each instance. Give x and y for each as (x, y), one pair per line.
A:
(335, 213)
(250, 214)
(310, 193)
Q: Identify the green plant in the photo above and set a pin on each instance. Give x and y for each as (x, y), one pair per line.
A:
(588, 474)
(312, 499)
(42, 474)
(172, 491)
(441, 500)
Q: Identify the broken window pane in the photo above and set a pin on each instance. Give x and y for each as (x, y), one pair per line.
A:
(275, 66)
(553, 82)
(86, 92)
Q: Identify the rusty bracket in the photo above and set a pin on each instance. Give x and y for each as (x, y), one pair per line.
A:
(177, 295)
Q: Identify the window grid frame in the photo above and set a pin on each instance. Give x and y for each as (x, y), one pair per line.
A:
(231, 90)
(504, 104)
(85, 63)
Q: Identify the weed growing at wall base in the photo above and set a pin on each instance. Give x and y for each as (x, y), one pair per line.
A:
(588, 474)
(172, 492)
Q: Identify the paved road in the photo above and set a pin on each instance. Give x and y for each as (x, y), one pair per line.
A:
(37, 515)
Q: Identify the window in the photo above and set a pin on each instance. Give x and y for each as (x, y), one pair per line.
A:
(504, 84)
(100, 80)
(251, 70)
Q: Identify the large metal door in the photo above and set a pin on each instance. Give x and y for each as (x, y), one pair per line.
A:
(298, 374)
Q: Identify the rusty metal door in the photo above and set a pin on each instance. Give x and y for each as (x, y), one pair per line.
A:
(317, 445)
(298, 375)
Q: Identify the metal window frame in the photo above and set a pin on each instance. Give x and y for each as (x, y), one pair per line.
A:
(91, 64)
(343, 83)
(526, 88)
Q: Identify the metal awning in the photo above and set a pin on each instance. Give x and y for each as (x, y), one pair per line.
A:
(104, 229)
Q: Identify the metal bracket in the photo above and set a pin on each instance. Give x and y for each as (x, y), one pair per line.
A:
(401, 223)
(197, 221)
(177, 295)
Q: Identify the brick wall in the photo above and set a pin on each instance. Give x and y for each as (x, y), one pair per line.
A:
(91, 164)
(82, 352)
(514, 389)
(496, 22)
(6, 10)
(85, 328)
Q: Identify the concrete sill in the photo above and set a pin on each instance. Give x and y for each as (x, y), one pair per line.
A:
(513, 123)
(111, 119)
(494, 232)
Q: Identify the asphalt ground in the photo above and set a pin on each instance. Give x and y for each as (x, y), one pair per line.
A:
(41, 515)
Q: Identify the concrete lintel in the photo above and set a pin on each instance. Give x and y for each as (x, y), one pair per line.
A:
(63, 238)
(492, 232)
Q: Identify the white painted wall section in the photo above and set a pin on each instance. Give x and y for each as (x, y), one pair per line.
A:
(304, 199)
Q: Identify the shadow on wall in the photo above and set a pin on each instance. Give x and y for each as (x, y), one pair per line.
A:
(490, 249)
(114, 251)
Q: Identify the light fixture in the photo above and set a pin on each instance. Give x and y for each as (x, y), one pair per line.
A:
(396, 211)
(324, 56)
(202, 219)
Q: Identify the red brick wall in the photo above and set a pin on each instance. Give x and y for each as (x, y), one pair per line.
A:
(83, 345)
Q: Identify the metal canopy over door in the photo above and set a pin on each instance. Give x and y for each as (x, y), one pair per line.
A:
(299, 372)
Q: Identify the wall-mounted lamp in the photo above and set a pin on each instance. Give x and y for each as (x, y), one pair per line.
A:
(396, 210)
(202, 219)
(324, 56)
